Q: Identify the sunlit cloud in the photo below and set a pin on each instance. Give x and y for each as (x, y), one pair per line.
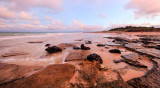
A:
(144, 8)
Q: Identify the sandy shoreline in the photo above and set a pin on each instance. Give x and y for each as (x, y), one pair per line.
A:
(33, 55)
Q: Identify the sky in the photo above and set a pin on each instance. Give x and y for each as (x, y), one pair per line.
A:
(76, 15)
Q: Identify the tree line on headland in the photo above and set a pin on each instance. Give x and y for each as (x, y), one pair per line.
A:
(135, 29)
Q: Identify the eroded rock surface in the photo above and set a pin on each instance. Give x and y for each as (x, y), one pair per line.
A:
(53, 76)
(150, 80)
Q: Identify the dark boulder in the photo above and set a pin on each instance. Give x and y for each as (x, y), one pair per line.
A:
(88, 42)
(47, 45)
(115, 51)
(83, 47)
(100, 45)
(53, 49)
(94, 57)
(76, 48)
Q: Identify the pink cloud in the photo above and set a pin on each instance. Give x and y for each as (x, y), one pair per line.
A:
(23, 5)
(5, 13)
(25, 15)
(144, 7)
(102, 15)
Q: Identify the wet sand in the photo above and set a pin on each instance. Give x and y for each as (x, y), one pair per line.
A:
(37, 56)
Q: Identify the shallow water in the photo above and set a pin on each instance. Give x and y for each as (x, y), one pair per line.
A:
(37, 55)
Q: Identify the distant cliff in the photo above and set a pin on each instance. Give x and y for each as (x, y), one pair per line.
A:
(135, 29)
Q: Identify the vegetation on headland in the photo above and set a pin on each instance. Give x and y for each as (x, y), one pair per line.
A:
(135, 29)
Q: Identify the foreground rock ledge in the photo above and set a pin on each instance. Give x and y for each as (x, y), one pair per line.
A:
(53, 76)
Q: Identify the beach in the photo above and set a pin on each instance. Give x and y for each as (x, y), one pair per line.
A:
(23, 56)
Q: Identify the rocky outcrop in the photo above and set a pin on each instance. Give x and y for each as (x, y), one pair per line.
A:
(150, 80)
(76, 48)
(53, 76)
(12, 72)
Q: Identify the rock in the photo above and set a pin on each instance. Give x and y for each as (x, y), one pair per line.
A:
(88, 42)
(53, 49)
(94, 57)
(115, 51)
(106, 47)
(36, 42)
(52, 76)
(47, 45)
(113, 44)
(118, 61)
(131, 56)
(76, 48)
(12, 72)
(65, 45)
(14, 54)
(142, 50)
(150, 80)
(86, 76)
(100, 45)
(135, 63)
(75, 57)
(83, 47)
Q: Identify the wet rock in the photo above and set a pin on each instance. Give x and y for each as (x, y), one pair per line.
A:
(135, 63)
(115, 51)
(94, 57)
(53, 49)
(65, 45)
(142, 50)
(47, 45)
(36, 42)
(106, 47)
(131, 56)
(75, 57)
(76, 48)
(150, 80)
(79, 40)
(113, 44)
(100, 45)
(12, 72)
(110, 79)
(88, 42)
(118, 61)
(86, 75)
(83, 47)
(53, 76)
(14, 54)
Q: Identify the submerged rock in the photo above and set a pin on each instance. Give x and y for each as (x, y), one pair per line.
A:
(76, 48)
(14, 54)
(100, 45)
(47, 45)
(53, 49)
(36, 42)
(83, 47)
(115, 51)
(94, 57)
(88, 42)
